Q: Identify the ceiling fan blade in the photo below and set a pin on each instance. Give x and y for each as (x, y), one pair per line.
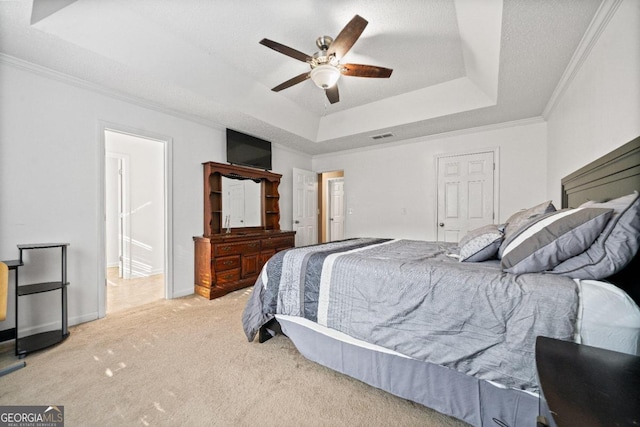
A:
(285, 50)
(294, 81)
(347, 37)
(332, 94)
(360, 70)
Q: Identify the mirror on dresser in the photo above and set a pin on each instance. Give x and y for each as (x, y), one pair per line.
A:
(250, 189)
(230, 258)
(241, 202)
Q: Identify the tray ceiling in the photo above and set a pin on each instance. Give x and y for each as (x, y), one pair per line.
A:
(457, 63)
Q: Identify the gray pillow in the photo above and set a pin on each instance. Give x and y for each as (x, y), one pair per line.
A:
(552, 238)
(480, 244)
(614, 248)
(520, 218)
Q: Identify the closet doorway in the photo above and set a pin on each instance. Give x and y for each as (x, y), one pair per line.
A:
(135, 222)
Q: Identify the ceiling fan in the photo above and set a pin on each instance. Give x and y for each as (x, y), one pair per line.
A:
(325, 64)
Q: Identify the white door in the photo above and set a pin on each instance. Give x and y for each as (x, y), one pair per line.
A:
(305, 206)
(336, 209)
(117, 215)
(124, 242)
(235, 197)
(465, 194)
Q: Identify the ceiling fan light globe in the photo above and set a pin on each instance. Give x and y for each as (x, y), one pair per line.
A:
(325, 76)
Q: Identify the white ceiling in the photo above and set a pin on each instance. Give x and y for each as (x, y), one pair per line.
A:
(457, 63)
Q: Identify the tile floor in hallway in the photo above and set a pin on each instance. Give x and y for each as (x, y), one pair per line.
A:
(123, 294)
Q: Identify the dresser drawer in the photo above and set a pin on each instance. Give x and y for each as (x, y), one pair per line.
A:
(277, 242)
(222, 249)
(226, 263)
(228, 276)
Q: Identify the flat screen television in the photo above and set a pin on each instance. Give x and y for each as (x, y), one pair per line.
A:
(247, 150)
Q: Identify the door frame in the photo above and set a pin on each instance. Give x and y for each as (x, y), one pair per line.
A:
(167, 144)
(496, 180)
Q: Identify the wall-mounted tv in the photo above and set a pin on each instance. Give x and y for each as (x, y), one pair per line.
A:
(247, 150)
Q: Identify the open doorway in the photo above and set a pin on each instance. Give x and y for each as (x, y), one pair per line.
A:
(135, 223)
(331, 201)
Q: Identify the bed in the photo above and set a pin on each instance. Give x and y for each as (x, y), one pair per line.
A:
(410, 318)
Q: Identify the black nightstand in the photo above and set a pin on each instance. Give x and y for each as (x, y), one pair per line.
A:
(587, 386)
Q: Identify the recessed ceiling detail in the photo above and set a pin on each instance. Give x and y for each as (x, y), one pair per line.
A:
(456, 63)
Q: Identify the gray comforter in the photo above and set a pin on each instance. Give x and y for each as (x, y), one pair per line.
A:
(411, 297)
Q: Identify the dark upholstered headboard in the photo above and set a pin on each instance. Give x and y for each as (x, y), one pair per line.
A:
(613, 175)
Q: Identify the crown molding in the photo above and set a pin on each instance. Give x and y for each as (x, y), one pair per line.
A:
(598, 24)
(442, 135)
(103, 90)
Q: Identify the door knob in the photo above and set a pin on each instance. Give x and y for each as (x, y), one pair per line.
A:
(296, 222)
(441, 224)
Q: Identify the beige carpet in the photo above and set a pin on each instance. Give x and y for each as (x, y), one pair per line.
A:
(186, 362)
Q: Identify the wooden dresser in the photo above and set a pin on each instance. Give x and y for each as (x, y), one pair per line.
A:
(227, 261)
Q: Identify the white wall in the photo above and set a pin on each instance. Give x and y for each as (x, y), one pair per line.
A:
(382, 180)
(600, 108)
(284, 160)
(50, 180)
(49, 171)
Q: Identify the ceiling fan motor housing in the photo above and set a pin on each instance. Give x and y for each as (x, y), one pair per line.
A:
(323, 42)
(325, 70)
(321, 57)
